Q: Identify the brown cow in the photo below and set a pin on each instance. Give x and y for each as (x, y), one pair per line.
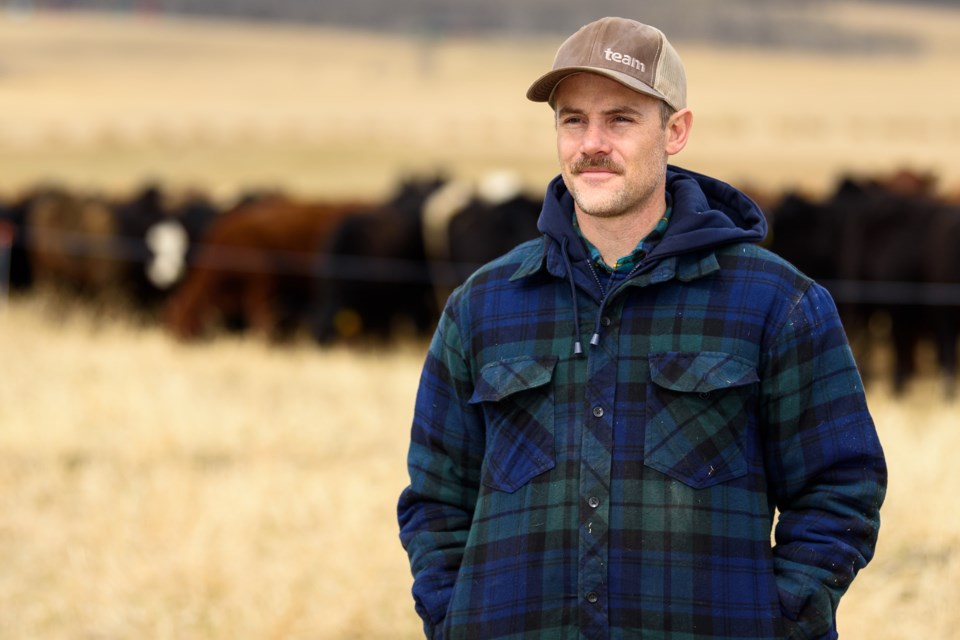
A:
(253, 268)
(71, 242)
(909, 183)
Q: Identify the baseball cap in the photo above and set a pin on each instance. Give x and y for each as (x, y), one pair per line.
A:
(634, 54)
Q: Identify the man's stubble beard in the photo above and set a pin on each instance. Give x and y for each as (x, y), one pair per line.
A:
(611, 204)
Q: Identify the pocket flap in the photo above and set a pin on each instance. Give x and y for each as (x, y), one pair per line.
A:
(505, 377)
(701, 372)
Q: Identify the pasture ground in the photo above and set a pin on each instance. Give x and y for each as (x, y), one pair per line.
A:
(234, 490)
(150, 489)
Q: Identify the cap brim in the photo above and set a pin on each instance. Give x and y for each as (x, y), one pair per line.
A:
(542, 89)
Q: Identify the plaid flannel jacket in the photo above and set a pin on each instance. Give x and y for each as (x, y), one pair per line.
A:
(630, 491)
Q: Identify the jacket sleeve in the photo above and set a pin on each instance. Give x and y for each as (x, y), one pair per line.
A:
(446, 448)
(824, 462)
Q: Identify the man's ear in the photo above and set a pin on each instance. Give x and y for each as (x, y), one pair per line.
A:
(678, 131)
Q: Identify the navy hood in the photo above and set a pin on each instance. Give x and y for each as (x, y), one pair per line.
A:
(707, 213)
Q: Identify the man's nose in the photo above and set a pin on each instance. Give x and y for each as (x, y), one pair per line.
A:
(595, 140)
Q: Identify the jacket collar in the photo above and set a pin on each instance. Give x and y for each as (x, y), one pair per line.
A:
(707, 214)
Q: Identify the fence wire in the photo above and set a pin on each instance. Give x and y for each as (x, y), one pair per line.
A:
(253, 259)
(365, 268)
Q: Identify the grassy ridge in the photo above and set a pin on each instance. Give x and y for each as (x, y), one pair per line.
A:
(107, 101)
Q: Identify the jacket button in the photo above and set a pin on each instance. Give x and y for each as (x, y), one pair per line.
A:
(593, 501)
(592, 597)
(598, 412)
(606, 321)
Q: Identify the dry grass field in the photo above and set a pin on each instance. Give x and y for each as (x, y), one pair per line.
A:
(153, 490)
(238, 491)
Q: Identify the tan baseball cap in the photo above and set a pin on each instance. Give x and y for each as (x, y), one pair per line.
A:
(636, 55)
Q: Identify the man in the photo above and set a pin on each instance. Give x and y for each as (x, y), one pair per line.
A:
(627, 487)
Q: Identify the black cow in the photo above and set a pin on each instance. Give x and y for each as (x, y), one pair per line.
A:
(804, 232)
(483, 230)
(15, 272)
(871, 244)
(943, 272)
(158, 237)
(399, 263)
(372, 276)
(885, 253)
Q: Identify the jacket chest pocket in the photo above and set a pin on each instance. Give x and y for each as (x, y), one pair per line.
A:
(517, 399)
(698, 408)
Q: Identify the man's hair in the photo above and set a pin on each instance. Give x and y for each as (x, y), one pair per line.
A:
(666, 111)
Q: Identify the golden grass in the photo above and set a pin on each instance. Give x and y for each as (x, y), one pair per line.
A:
(150, 489)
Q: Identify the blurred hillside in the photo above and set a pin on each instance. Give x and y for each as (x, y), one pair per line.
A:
(777, 23)
(104, 99)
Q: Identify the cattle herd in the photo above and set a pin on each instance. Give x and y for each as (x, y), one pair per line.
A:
(270, 264)
(888, 248)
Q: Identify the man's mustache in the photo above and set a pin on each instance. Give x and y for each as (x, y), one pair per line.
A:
(602, 162)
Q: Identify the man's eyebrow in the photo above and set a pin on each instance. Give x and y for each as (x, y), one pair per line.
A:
(565, 111)
(624, 110)
(618, 110)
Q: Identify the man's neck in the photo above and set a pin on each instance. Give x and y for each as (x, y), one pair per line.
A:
(618, 236)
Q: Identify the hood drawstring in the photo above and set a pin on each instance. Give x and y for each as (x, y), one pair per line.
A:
(595, 338)
(606, 294)
(577, 348)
